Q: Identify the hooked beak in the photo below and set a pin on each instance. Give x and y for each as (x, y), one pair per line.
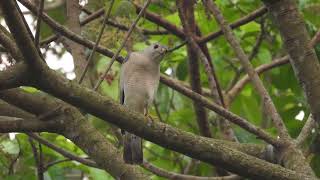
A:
(164, 50)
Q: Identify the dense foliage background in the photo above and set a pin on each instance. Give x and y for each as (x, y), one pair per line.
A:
(16, 155)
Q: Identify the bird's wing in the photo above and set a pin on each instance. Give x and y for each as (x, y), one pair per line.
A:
(121, 82)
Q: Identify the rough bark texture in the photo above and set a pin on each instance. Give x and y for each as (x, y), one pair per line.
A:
(302, 57)
(305, 64)
(77, 129)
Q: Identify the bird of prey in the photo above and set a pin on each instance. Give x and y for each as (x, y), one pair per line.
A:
(139, 80)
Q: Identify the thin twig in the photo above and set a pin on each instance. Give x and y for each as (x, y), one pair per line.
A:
(242, 21)
(63, 152)
(106, 17)
(178, 46)
(37, 35)
(122, 45)
(172, 175)
(36, 158)
(55, 163)
(41, 168)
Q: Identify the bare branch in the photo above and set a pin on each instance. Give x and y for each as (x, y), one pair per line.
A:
(155, 18)
(37, 35)
(221, 111)
(62, 151)
(12, 124)
(302, 57)
(186, 13)
(306, 131)
(242, 21)
(175, 176)
(270, 108)
(236, 89)
(36, 159)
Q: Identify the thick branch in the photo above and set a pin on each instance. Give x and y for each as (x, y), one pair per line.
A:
(14, 76)
(76, 128)
(302, 57)
(13, 124)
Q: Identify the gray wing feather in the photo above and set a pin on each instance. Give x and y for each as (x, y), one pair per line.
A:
(121, 90)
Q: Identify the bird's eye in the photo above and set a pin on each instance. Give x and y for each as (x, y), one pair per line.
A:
(156, 46)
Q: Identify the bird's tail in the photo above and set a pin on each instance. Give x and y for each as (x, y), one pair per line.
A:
(132, 149)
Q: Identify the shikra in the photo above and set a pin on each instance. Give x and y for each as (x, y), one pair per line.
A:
(139, 80)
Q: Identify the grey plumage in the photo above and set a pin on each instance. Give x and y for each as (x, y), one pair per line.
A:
(139, 80)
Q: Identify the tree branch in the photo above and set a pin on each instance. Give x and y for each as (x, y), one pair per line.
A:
(242, 21)
(227, 114)
(189, 26)
(76, 128)
(105, 108)
(76, 50)
(14, 76)
(270, 107)
(302, 57)
(175, 176)
(162, 22)
(306, 131)
(236, 89)
(63, 152)
(13, 124)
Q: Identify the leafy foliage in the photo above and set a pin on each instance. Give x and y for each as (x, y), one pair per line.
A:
(17, 160)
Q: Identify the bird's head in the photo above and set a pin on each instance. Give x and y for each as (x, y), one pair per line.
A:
(156, 52)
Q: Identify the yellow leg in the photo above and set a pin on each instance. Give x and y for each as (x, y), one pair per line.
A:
(146, 113)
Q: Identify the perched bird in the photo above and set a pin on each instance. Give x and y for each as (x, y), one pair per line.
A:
(139, 80)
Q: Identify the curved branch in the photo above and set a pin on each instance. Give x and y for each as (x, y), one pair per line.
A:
(303, 57)
(236, 89)
(242, 21)
(175, 176)
(256, 81)
(63, 152)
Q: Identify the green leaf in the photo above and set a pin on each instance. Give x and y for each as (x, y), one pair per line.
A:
(10, 147)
